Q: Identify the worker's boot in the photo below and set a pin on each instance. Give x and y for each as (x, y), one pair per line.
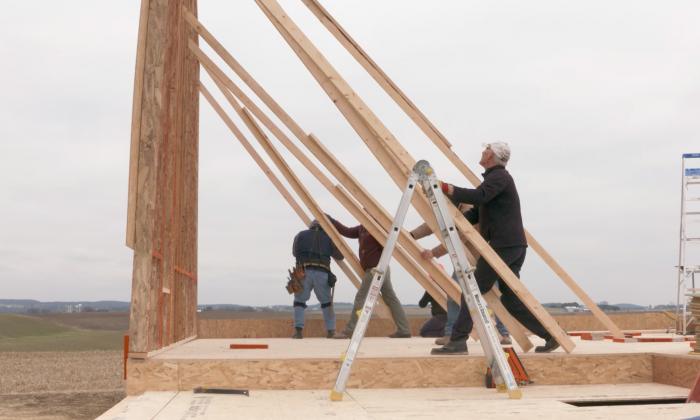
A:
(442, 340)
(298, 333)
(506, 341)
(549, 346)
(397, 334)
(341, 336)
(330, 334)
(452, 347)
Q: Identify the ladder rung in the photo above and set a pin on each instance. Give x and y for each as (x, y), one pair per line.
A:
(692, 239)
(693, 199)
(692, 212)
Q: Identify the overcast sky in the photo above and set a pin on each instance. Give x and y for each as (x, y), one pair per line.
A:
(597, 99)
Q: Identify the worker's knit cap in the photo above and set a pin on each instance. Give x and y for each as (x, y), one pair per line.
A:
(500, 149)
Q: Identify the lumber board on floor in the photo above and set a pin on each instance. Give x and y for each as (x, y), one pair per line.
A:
(398, 159)
(443, 144)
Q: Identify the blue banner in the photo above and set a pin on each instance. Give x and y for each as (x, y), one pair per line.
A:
(691, 155)
(692, 172)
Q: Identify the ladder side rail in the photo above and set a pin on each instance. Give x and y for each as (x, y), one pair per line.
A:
(377, 280)
(681, 249)
(482, 321)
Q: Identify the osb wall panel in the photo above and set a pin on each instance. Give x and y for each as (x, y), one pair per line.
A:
(149, 375)
(639, 321)
(301, 374)
(282, 328)
(588, 370)
(676, 370)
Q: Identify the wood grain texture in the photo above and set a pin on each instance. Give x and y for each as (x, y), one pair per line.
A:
(136, 123)
(393, 156)
(676, 370)
(164, 285)
(443, 144)
(368, 373)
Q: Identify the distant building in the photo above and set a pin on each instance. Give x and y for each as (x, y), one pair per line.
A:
(573, 309)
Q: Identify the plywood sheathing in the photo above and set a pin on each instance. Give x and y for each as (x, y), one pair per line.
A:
(281, 328)
(162, 208)
(299, 374)
(425, 404)
(676, 370)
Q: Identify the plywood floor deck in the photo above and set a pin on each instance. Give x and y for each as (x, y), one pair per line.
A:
(538, 402)
(377, 348)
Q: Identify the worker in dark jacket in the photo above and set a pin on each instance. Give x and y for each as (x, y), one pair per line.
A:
(435, 326)
(370, 251)
(497, 211)
(314, 248)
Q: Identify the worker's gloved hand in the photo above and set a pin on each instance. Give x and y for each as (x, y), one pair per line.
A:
(445, 187)
(427, 254)
(329, 217)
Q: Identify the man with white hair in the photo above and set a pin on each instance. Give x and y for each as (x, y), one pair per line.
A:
(497, 211)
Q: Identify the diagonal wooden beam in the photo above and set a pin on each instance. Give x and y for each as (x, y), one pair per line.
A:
(374, 229)
(276, 182)
(326, 75)
(336, 168)
(408, 264)
(444, 145)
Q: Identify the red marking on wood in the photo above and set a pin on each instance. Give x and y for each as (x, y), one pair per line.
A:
(126, 352)
(180, 270)
(645, 340)
(587, 336)
(157, 254)
(692, 344)
(248, 346)
(631, 335)
(576, 334)
(608, 337)
(618, 340)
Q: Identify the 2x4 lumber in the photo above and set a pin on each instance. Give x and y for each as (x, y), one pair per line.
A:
(444, 145)
(342, 174)
(318, 150)
(438, 274)
(136, 124)
(217, 74)
(275, 181)
(284, 117)
(377, 74)
(300, 44)
(306, 198)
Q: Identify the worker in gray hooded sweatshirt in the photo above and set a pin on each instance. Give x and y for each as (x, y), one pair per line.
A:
(314, 248)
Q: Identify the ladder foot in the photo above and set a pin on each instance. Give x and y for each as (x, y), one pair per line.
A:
(515, 395)
(338, 396)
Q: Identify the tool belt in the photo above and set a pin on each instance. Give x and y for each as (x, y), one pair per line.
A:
(314, 265)
(298, 273)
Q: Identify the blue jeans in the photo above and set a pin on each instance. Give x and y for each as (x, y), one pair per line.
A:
(453, 312)
(317, 281)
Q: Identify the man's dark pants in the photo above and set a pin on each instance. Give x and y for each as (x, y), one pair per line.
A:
(514, 257)
(434, 327)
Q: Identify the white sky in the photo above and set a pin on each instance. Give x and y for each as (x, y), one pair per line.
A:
(598, 101)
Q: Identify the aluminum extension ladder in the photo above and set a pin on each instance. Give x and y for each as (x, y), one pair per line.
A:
(689, 250)
(422, 172)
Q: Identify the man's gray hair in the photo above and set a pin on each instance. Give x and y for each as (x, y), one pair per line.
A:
(501, 152)
(498, 160)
